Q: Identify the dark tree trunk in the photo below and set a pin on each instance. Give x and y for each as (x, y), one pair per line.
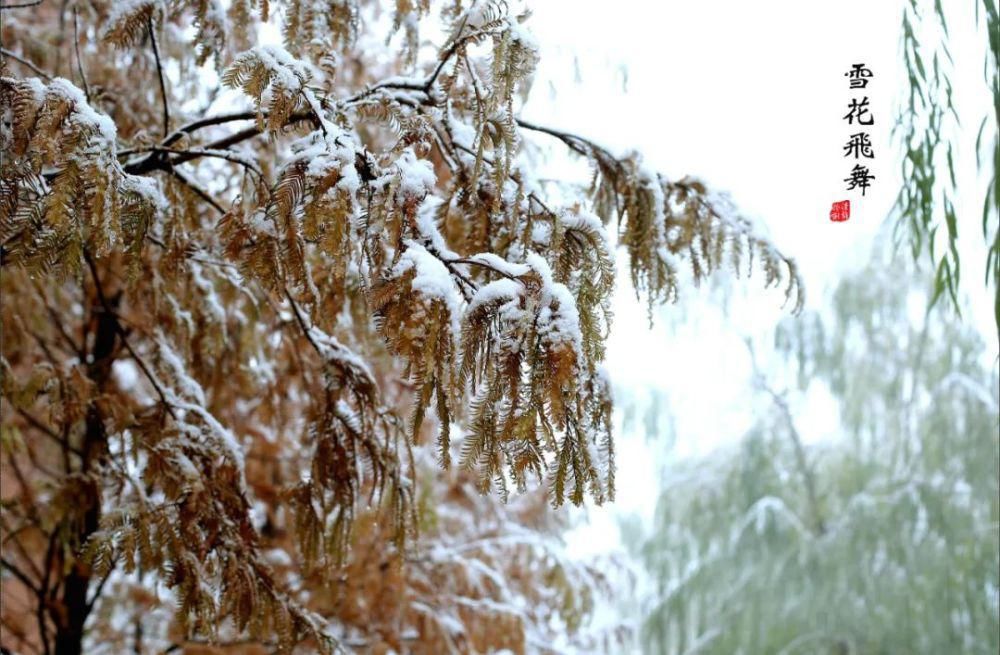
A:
(74, 608)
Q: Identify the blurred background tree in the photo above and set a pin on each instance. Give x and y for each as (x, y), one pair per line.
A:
(884, 539)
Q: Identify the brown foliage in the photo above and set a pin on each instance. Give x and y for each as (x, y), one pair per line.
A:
(225, 331)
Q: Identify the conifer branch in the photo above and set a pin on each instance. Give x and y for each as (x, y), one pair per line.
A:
(459, 285)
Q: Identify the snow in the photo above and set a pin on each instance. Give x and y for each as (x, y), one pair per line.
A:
(103, 127)
(123, 8)
(500, 264)
(416, 176)
(148, 189)
(758, 513)
(431, 279)
(672, 261)
(126, 376)
(427, 228)
(524, 36)
(587, 221)
(462, 133)
(479, 13)
(103, 132)
(221, 434)
(188, 385)
(541, 233)
(559, 320)
(205, 285)
(340, 354)
(328, 152)
(186, 467)
(289, 73)
(37, 88)
(503, 288)
(190, 389)
(259, 221)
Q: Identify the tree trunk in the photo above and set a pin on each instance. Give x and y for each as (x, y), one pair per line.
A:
(75, 608)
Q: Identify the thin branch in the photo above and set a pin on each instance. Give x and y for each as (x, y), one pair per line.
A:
(100, 588)
(159, 71)
(76, 48)
(25, 62)
(207, 122)
(47, 431)
(19, 632)
(22, 5)
(574, 142)
(473, 262)
(201, 193)
(446, 55)
(156, 162)
(124, 339)
(34, 567)
(306, 330)
(50, 553)
(210, 262)
(800, 457)
(808, 478)
(428, 84)
(20, 575)
(58, 322)
(204, 152)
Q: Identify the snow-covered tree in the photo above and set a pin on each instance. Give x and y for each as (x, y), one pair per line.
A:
(883, 539)
(248, 249)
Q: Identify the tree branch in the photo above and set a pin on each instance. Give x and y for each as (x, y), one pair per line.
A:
(808, 478)
(159, 71)
(76, 48)
(204, 152)
(22, 5)
(21, 60)
(121, 335)
(20, 575)
(46, 430)
(201, 193)
(156, 162)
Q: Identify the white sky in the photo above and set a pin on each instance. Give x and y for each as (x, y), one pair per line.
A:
(750, 97)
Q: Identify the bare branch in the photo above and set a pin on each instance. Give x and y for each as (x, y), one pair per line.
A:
(20, 575)
(21, 60)
(22, 5)
(76, 48)
(124, 339)
(201, 193)
(159, 71)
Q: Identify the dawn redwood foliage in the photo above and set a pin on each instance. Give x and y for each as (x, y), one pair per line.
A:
(282, 292)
